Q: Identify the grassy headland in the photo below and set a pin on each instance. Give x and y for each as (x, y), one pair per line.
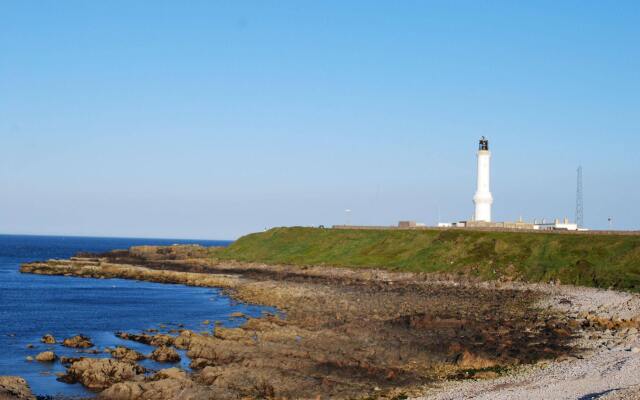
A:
(587, 260)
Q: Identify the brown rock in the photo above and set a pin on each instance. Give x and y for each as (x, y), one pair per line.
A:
(236, 334)
(209, 374)
(199, 363)
(170, 373)
(169, 388)
(15, 388)
(100, 373)
(469, 360)
(123, 391)
(69, 360)
(165, 354)
(157, 340)
(127, 355)
(46, 356)
(78, 341)
(162, 340)
(171, 383)
(144, 338)
(217, 351)
(48, 339)
(182, 342)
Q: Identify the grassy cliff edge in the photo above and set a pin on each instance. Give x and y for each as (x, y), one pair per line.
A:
(587, 260)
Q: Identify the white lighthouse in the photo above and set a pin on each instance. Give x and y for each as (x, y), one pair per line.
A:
(483, 198)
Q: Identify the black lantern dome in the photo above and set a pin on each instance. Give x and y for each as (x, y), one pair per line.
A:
(484, 144)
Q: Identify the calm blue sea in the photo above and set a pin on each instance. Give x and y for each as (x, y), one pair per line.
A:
(33, 305)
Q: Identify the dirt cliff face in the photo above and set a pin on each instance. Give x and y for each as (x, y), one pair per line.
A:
(346, 334)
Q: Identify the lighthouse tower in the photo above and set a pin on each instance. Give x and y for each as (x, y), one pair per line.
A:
(483, 198)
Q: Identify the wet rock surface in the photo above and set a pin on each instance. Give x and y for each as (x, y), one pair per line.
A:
(347, 333)
(46, 356)
(48, 339)
(152, 340)
(14, 388)
(166, 384)
(165, 354)
(67, 361)
(127, 355)
(78, 341)
(101, 373)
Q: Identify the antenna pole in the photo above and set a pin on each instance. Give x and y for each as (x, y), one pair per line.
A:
(579, 200)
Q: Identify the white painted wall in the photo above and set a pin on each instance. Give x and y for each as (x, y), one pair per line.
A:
(483, 198)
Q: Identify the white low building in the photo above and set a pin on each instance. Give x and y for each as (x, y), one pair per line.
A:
(556, 225)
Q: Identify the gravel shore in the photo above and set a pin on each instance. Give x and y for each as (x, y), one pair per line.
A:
(608, 368)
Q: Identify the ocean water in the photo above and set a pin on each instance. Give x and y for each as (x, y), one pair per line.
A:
(34, 305)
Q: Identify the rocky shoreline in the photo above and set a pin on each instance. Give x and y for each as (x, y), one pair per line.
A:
(14, 388)
(352, 333)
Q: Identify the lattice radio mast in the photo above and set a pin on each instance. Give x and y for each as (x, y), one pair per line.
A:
(579, 200)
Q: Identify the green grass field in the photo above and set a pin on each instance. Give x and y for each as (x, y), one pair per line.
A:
(587, 260)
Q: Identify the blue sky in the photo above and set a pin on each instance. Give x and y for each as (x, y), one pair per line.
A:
(208, 119)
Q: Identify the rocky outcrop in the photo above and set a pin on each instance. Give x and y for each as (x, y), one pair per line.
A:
(15, 388)
(100, 373)
(165, 354)
(169, 383)
(217, 351)
(141, 338)
(48, 339)
(152, 340)
(66, 361)
(162, 340)
(78, 341)
(183, 340)
(127, 355)
(105, 269)
(46, 356)
(173, 373)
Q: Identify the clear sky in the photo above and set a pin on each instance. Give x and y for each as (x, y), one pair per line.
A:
(212, 119)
